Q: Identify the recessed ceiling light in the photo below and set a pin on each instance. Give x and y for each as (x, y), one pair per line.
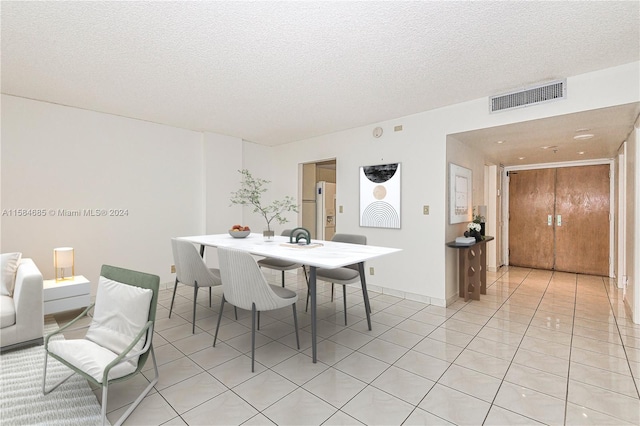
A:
(583, 137)
(549, 147)
(499, 142)
(581, 152)
(521, 158)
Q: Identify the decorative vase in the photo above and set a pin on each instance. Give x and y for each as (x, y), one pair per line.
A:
(482, 229)
(268, 234)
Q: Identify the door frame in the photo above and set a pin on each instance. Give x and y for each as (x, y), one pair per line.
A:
(505, 201)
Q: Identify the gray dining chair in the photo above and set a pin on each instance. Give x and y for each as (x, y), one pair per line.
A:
(192, 271)
(345, 275)
(244, 286)
(282, 265)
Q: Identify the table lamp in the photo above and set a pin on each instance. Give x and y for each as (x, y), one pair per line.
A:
(63, 258)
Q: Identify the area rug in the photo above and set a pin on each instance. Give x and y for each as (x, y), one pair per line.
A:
(21, 398)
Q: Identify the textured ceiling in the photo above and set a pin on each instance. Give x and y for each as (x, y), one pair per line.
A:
(276, 72)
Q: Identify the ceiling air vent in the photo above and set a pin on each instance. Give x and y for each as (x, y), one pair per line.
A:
(547, 92)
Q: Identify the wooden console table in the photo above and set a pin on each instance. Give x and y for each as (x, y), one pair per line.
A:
(472, 268)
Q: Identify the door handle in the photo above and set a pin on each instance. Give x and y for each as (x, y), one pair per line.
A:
(549, 219)
(559, 220)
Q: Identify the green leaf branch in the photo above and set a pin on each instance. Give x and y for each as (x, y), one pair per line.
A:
(250, 194)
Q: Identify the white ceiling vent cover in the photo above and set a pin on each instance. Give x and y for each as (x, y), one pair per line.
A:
(547, 92)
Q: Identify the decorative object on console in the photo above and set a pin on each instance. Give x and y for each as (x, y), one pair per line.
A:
(250, 193)
(474, 231)
(380, 196)
(63, 258)
(479, 216)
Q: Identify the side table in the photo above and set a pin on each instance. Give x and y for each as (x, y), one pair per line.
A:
(472, 268)
(65, 295)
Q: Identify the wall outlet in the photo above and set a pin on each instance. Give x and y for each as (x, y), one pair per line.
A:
(425, 210)
(340, 209)
(371, 271)
(397, 128)
(173, 269)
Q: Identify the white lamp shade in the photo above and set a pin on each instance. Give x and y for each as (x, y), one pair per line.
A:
(63, 257)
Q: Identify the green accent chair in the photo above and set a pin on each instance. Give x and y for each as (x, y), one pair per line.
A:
(118, 342)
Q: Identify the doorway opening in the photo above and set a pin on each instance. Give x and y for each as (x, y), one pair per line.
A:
(559, 217)
(318, 187)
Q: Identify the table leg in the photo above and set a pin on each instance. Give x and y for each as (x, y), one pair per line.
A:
(483, 271)
(365, 295)
(312, 293)
(463, 280)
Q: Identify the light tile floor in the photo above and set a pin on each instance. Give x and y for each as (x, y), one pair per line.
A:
(538, 348)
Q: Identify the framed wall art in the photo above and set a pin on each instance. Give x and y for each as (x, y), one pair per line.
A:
(460, 194)
(380, 196)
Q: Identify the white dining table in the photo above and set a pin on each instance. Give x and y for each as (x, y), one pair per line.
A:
(318, 254)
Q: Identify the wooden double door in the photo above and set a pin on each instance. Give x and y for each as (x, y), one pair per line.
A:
(559, 219)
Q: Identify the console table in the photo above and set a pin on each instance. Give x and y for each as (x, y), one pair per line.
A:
(472, 268)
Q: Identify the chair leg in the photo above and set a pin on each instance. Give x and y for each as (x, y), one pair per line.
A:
(215, 337)
(105, 392)
(174, 296)
(138, 400)
(344, 300)
(235, 311)
(282, 278)
(44, 377)
(332, 284)
(209, 296)
(295, 324)
(253, 336)
(258, 320)
(195, 297)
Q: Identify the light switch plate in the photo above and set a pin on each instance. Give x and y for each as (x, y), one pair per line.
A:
(425, 210)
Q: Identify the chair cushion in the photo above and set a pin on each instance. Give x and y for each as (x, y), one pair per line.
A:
(90, 358)
(7, 311)
(338, 275)
(9, 266)
(120, 313)
(279, 264)
(285, 293)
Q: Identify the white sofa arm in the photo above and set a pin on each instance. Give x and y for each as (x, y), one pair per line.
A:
(28, 301)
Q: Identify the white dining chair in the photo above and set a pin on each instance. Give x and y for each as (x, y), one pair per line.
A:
(244, 286)
(192, 271)
(282, 265)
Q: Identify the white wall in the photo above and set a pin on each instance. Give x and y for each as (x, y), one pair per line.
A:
(425, 269)
(632, 295)
(56, 157)
(460, 154)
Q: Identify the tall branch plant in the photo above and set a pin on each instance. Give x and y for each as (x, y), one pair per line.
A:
(250, 194)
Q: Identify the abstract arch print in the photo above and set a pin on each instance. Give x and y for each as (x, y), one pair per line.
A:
(380, 196)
